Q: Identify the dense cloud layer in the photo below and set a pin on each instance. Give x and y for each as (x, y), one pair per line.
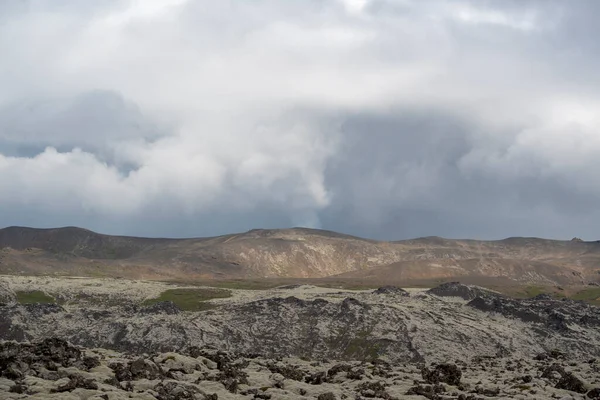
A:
(382, 118)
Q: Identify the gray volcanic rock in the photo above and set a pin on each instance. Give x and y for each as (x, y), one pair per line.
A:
(446, 373)
(317, 323)
(6, 294)
(391, 290)
(16, 360)
(162, 307)
(558, 315)
(55, 369)
(457, 289)
(348, 330)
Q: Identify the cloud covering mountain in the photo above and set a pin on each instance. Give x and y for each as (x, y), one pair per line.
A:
(381, 118)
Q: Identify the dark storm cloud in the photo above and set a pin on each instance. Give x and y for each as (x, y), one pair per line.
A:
(382, 118)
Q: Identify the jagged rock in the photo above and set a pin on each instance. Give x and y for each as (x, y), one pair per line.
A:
(287, 371)
(553, 372)
(593, 394)
(552, 354)
(144, 369)
(77, 382)
(339, 368)
(446, 373)
(122, 372)
(391, 290)
(554, 315)
(176, 362)
(231, 377)
(571, 382)
(457, 289)
(17, 359)
(542, 296)
(161, 307)
(90, 362)
(317, 378)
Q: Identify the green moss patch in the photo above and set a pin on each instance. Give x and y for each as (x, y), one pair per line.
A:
(190, 299)
(591, 295)
(35, 296)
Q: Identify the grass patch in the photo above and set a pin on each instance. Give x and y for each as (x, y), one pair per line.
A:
(245, 284)
(589, 295)
(532, 291)
(35, 296)
(528, 292)
(190, 299)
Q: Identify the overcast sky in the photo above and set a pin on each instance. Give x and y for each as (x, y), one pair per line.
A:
(386, 119)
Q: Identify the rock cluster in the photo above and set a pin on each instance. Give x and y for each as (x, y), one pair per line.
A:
(54, 369)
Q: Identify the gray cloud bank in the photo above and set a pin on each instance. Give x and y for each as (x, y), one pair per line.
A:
(382, 118)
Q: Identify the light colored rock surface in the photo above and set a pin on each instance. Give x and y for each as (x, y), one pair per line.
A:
(305, 321)
(293, 378)
(284, 342)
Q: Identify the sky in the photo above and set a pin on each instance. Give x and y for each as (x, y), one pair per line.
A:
(386, 119)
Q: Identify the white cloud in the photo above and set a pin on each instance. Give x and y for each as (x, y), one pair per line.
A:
(239, 105)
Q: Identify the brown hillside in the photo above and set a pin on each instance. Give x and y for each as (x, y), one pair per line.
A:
(294, 253)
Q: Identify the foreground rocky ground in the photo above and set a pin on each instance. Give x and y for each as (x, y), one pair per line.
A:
(53, 369)
(450, 342)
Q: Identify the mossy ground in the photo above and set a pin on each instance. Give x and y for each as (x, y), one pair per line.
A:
(591, 295)
(190, 299)
(35, 296)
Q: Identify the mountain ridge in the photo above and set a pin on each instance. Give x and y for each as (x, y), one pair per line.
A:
(323, 232)
(294, 253)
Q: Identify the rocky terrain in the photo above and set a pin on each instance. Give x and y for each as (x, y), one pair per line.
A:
(296, 253)
(54, 369)
(100, 341)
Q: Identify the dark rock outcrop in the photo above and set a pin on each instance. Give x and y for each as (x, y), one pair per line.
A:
(391, 290)
(457, 289)
(445, 373)
(571, 382)
(593, 394)
(17, 359)
(555, 315)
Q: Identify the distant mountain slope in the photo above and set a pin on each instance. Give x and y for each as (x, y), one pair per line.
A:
(75, 241)
(297, 253)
